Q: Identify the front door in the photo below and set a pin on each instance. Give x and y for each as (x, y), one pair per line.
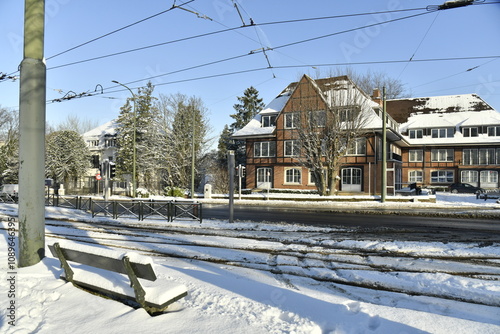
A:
(351, 179)
(264, 178)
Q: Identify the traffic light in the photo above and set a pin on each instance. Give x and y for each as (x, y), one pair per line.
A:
(112, 170)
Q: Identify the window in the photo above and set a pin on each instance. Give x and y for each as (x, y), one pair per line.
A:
(95, 161)
(416, 155)
(312, 178)
(292, 148)
(291, 120)
(442, 155)
(442, 176)
(357, 147)
(318, 118)
(469, 176)
(470, 132)
(489, 176)
(293, 175)
(470, 157)
(416, 134)
(264, 149)
(348, 114)
(442, 133)
(268, 121)
(487, 156)
(416, 176)
(494, 131)
(110, 142)
(93, 143)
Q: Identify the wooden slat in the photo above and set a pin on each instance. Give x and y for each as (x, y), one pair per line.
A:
(144, 271)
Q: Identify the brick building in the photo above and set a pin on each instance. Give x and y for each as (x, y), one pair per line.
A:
(432, 141)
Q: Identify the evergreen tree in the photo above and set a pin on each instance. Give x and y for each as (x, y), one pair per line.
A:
(9, 151)
(143, 124)
(249, 105)
(189, 127)
(66, 156)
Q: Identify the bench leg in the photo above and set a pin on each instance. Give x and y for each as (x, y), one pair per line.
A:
(140, 294)
(68, 272)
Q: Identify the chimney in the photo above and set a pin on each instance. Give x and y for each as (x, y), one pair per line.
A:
(377, 96)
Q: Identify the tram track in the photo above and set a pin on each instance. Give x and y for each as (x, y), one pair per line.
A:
(286, 254)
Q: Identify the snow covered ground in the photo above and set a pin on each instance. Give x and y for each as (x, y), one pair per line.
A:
(261, 278)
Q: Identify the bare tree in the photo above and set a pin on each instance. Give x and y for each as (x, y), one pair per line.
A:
(329, 123)
(74, 123)
(370, 80)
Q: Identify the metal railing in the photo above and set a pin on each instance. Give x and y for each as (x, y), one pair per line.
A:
(136, 209)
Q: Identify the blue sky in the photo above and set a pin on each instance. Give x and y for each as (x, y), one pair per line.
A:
(469, 32)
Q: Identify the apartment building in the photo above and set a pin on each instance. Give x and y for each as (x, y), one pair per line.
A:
(431, 141)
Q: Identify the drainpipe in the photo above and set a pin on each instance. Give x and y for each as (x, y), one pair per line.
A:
(384, 149)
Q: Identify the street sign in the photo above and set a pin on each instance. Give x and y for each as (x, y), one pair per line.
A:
(98, 177)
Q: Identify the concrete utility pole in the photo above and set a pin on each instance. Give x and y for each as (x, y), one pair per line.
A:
(384, 149)
(32, 137)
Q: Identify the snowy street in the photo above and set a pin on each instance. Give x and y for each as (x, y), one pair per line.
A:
(264, 278)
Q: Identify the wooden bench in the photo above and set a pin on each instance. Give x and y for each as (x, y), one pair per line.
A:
(102, 271)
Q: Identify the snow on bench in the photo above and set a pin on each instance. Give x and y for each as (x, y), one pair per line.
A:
(117, 275)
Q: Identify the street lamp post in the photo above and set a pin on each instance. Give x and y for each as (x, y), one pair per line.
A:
(134, 139)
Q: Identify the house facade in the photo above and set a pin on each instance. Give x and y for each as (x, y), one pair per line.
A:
(450, 139)
(101, 142)
(432, 142)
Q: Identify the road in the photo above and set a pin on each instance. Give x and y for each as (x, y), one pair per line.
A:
(386, 226)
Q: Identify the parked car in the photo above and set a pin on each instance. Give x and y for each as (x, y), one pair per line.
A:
(10, 191)
(456, 188)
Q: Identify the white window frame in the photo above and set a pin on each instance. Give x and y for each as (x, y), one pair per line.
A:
(416, 176)
(470, 131)
(469, 176)
(489, 176)
(293, 175)
(318, 117)
(292, 118)
(494, 131)
(416, 133)
(291, 148)
(470, 156)
(442, 133)
(442, 176)
(442, 155)
(357, 147)
(416, 155)
(261, 146)
(487, 156)
(268, 121)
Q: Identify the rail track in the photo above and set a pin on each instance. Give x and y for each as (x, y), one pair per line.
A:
(318, 254)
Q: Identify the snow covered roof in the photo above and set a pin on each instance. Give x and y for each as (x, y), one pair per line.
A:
(108, 128)
(254, 127)
(456, 120)
(402, 109)
(333, 91)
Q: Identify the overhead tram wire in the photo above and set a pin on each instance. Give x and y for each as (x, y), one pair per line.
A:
(109, 91)
(241, 27)
(419, 45)
(187, 2)
(453, 75)
(117, 30)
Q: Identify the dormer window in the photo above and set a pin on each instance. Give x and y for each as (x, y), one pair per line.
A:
(494, 131)
(442, 133)
(416, 134)
(268, 121)
(470, 132)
